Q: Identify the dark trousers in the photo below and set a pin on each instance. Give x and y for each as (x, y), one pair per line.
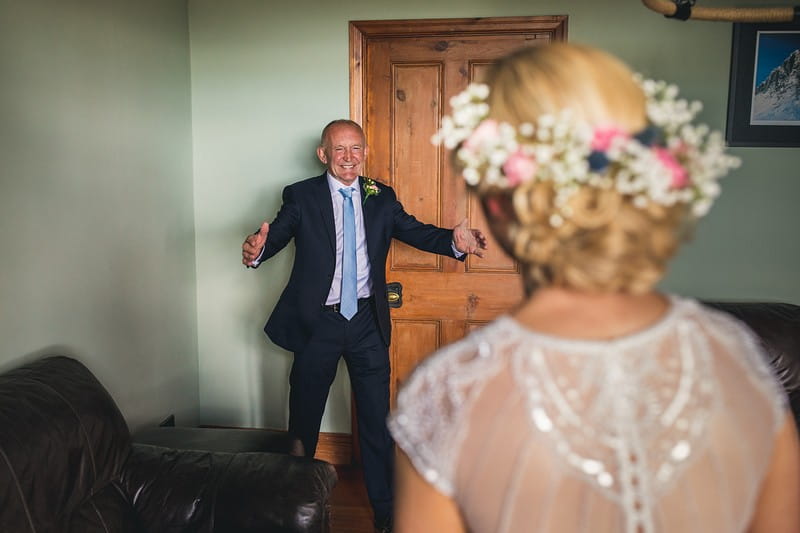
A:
(367, 359)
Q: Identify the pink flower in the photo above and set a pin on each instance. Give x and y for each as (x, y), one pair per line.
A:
(680, 178)
(519, 167)
(485, 131)
(604, 135)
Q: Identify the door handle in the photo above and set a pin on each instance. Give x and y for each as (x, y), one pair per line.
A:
(394, 294)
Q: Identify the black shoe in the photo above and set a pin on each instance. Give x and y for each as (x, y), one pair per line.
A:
(385, 526)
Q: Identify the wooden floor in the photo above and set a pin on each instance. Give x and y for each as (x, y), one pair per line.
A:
(350, 510)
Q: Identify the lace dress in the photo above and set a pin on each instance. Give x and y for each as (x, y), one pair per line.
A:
(670, 429)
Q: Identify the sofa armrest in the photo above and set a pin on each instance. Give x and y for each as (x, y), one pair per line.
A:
(185, 490)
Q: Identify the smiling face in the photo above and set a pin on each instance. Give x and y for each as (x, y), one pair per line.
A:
(343, 151)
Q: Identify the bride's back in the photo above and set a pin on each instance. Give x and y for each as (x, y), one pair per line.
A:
(667, 429)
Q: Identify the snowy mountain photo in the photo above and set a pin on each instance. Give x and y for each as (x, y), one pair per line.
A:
(776, 98)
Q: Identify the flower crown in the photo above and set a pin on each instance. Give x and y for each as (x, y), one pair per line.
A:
(671, 161)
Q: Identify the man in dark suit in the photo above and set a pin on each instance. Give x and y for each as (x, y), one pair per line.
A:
(334, 304)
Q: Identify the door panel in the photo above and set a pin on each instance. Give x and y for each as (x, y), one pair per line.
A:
(420, 337)
(413, 87)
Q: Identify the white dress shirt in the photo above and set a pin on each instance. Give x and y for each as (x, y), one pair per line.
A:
(363, 282)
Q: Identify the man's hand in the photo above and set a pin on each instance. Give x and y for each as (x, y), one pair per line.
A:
(253, 244)
(469, 240)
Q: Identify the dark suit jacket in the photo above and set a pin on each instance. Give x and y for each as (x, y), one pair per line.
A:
(307, 216)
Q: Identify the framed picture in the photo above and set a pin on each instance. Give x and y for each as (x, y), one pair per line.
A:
(764, 90)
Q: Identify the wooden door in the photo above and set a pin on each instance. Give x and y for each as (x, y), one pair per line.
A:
(403, 75)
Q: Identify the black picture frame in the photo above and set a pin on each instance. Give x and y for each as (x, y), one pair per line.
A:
(755, 48)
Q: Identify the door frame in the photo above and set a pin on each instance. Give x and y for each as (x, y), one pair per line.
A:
(552, 27)
(361, 31)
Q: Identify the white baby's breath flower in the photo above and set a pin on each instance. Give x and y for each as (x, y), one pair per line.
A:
(671, 92)
(526, 129)
(471, 175)
(701, 207)
(543, 153)
(460, 100)
(492, 175)
(465, 156)
(710, 189)
(561, 130)
(479, 91)
(497, 157)
(463, 116)
(543, 135)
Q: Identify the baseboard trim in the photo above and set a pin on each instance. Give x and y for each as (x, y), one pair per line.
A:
(336, 448)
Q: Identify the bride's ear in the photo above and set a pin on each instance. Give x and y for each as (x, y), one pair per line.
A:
(498, 208)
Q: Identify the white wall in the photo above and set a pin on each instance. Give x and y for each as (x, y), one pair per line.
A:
(266, 77)
(96, 223)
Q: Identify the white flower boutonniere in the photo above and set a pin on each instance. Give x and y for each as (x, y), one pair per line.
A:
(370, 189)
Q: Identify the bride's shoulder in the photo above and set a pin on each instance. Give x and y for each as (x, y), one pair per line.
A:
(433, 404)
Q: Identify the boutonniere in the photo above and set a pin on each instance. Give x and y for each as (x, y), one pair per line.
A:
(370, 189)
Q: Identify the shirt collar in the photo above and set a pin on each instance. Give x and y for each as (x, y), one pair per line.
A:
(334, 185)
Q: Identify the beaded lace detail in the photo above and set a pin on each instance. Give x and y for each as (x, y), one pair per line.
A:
(617, 417)
(624, 418)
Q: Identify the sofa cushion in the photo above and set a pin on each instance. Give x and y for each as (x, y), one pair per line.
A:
(252, 492)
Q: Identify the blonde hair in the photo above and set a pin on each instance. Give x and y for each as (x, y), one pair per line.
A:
(607, 243)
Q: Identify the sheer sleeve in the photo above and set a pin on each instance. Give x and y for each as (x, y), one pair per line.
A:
(431, 417)
(747, 351)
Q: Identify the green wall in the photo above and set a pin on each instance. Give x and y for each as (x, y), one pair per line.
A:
(96, 223)
(266, 78)
(140, 141)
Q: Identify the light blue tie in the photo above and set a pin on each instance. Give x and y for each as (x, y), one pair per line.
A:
(349, 302)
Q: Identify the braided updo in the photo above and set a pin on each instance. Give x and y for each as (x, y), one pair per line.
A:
(606, 243)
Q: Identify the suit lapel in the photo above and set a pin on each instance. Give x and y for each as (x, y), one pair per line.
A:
(323, 193)
(369, 212)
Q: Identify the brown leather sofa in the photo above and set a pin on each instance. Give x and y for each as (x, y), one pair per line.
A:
(68, 464)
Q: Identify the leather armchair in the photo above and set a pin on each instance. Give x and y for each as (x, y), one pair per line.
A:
(67, 464)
